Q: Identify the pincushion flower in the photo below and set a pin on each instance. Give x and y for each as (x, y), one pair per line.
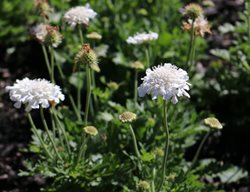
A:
(34, 93)
(165, 80)
(79, 15)
(201, 26)
(141, 38)
(39, 32)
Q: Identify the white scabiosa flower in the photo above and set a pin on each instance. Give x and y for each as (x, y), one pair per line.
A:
(165, 80)
(141, 38)
(79, 15)
(39, 32)
(34, 93)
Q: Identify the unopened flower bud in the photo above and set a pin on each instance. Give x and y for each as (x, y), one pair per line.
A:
(144, 185)
(212, 122)
(113, 85)
(43, 8)
(94, 36)
(137, 65)
(86, 56)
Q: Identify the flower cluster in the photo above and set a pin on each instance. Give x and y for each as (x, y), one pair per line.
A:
(34, 93)
(196, 20)
(165, 80)
(47, 34)
(141, 38)
(201, 26)
(79, 15)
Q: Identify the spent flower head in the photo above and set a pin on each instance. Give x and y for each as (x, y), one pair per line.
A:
(167, 81)
(140, 38)
(90, 130)
(213, 123)
(39, 32)
(53, 37)
(43, 8)
(193, 11)
(79, 15)
(127, 117)
(201, 26)
(34, 93)
(87, 56)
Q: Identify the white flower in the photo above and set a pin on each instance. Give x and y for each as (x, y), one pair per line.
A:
(140, 38)
(79, 15)
(34, 93)
(165, 80)
(39, 32)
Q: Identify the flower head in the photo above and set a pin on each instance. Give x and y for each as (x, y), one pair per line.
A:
(47, 34)
(193, 10)
(34, 93)
(127, 117)
(213, 123)
(39, 32)
(91, 130)
(141, 38)
(113, 85)
(201, 26)
(53, 37)
(79, 15)
(165, 80)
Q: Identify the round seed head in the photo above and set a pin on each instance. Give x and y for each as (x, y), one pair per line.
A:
(86, 56)
(90, 130)
(193, 10)
(127, 117)
(53, 37)
(144, 185)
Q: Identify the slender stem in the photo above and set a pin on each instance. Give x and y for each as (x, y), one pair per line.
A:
(147, 57)
(93, 86)
(153, 181)
(38, 136)
(52, 64)
(88, 70)
(80, 33)
(62, 130)
(78, 113)
(79, 91)
(164, 163)
(47, 130)
(190, 49)
(134, 141)
(46, 60)
(135, 86)
(199, 149)
(248, 19)
(82, 149)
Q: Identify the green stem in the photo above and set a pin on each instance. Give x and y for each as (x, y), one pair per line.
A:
(164, 163)
(79, 91)
(52, 62)
(153, 181)
(135, 86)
(248, 19)
(62, 130)
(46, 60)
(78, 113)
(82, 149)
(88, 71)
(134, 141)
(80, 33)
(147, 57)
(38, 136)
(47, 130)
(199, 149)
(190, 50)
(93, 86)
